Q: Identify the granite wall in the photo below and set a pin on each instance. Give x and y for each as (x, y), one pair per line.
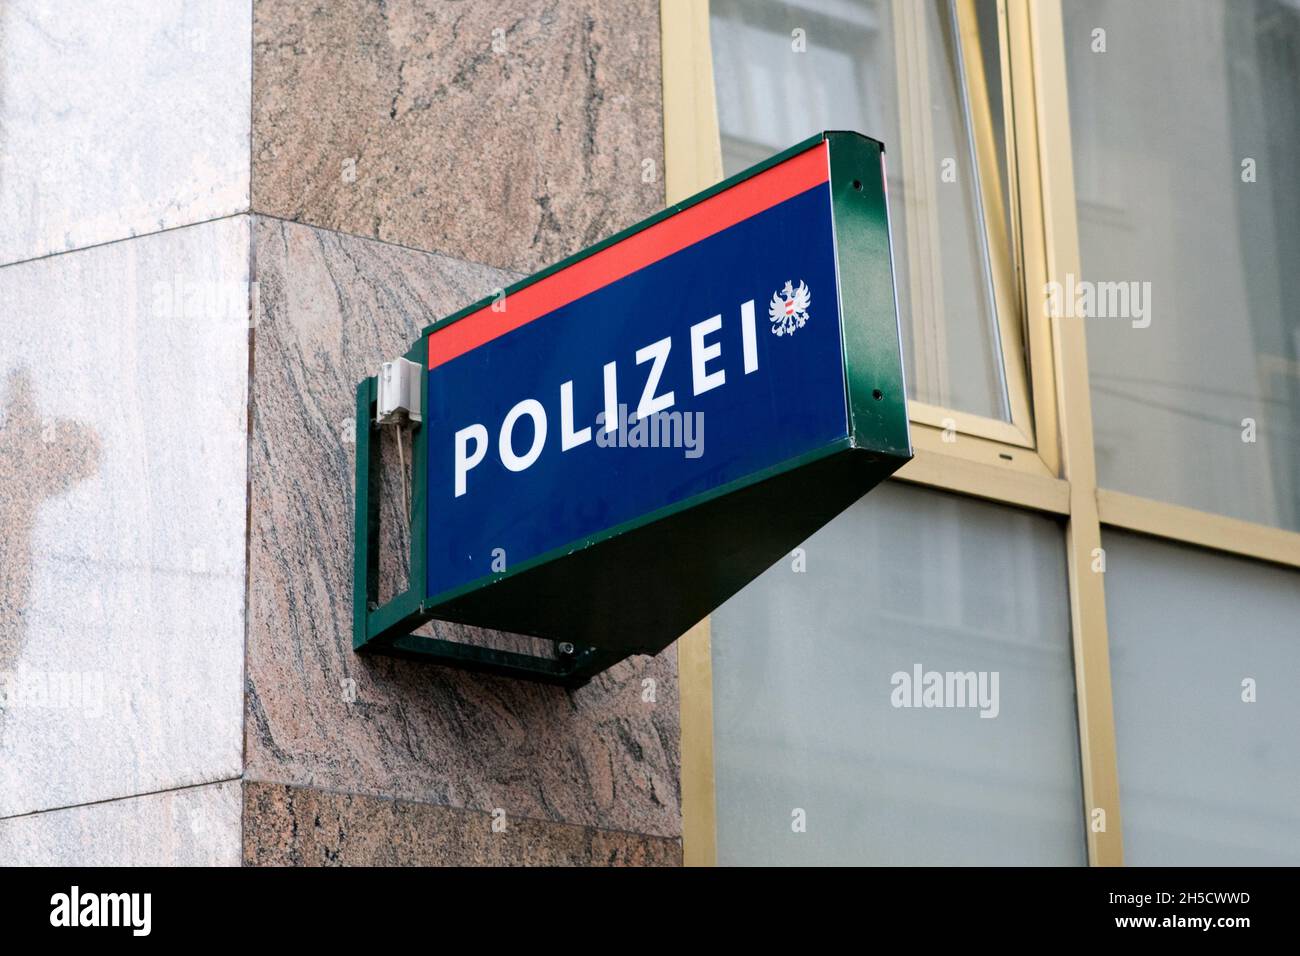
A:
(511, 133)
(124, 352)
(218, 218)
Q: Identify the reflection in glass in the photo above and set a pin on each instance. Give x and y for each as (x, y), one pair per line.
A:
(1185, 136)
(803, 676)
(1207, 776)
(785, 70)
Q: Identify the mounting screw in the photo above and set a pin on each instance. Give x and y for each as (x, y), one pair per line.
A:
(564, 648)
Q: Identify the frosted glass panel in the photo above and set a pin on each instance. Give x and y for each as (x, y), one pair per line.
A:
(806, 693)
(1185, 134)
(785, 70)
(1206, 778)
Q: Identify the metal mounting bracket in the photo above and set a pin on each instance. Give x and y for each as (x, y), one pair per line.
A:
(387, 628)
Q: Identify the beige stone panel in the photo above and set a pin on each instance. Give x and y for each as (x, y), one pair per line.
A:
(295, 826)
(330, 309)
(512, 133)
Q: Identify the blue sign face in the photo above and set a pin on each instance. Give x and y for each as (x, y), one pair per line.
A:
(696, 353)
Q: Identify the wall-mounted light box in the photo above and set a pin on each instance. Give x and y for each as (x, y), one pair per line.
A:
(613, 447)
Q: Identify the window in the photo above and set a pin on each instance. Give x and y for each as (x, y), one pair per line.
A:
(1185, 138)
(1204, 650)
(1072, 166)
(809, 712)
(899, 72)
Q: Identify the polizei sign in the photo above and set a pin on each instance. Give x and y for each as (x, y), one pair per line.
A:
(608, 450)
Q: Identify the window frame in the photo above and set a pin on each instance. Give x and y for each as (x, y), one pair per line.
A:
(996, 251)
(1048, 467)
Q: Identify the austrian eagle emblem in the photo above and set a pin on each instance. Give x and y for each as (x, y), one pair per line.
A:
(788, 309)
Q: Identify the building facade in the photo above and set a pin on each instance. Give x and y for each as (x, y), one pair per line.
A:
(1060, 636)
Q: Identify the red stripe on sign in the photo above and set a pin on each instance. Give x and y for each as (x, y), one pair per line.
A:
(718, 212)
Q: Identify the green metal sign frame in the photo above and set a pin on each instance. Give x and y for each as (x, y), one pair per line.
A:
(708, 546)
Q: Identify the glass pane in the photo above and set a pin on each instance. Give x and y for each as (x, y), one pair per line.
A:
(811, 671)
(1207, 777)
(785, 70)
(1185, 135)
